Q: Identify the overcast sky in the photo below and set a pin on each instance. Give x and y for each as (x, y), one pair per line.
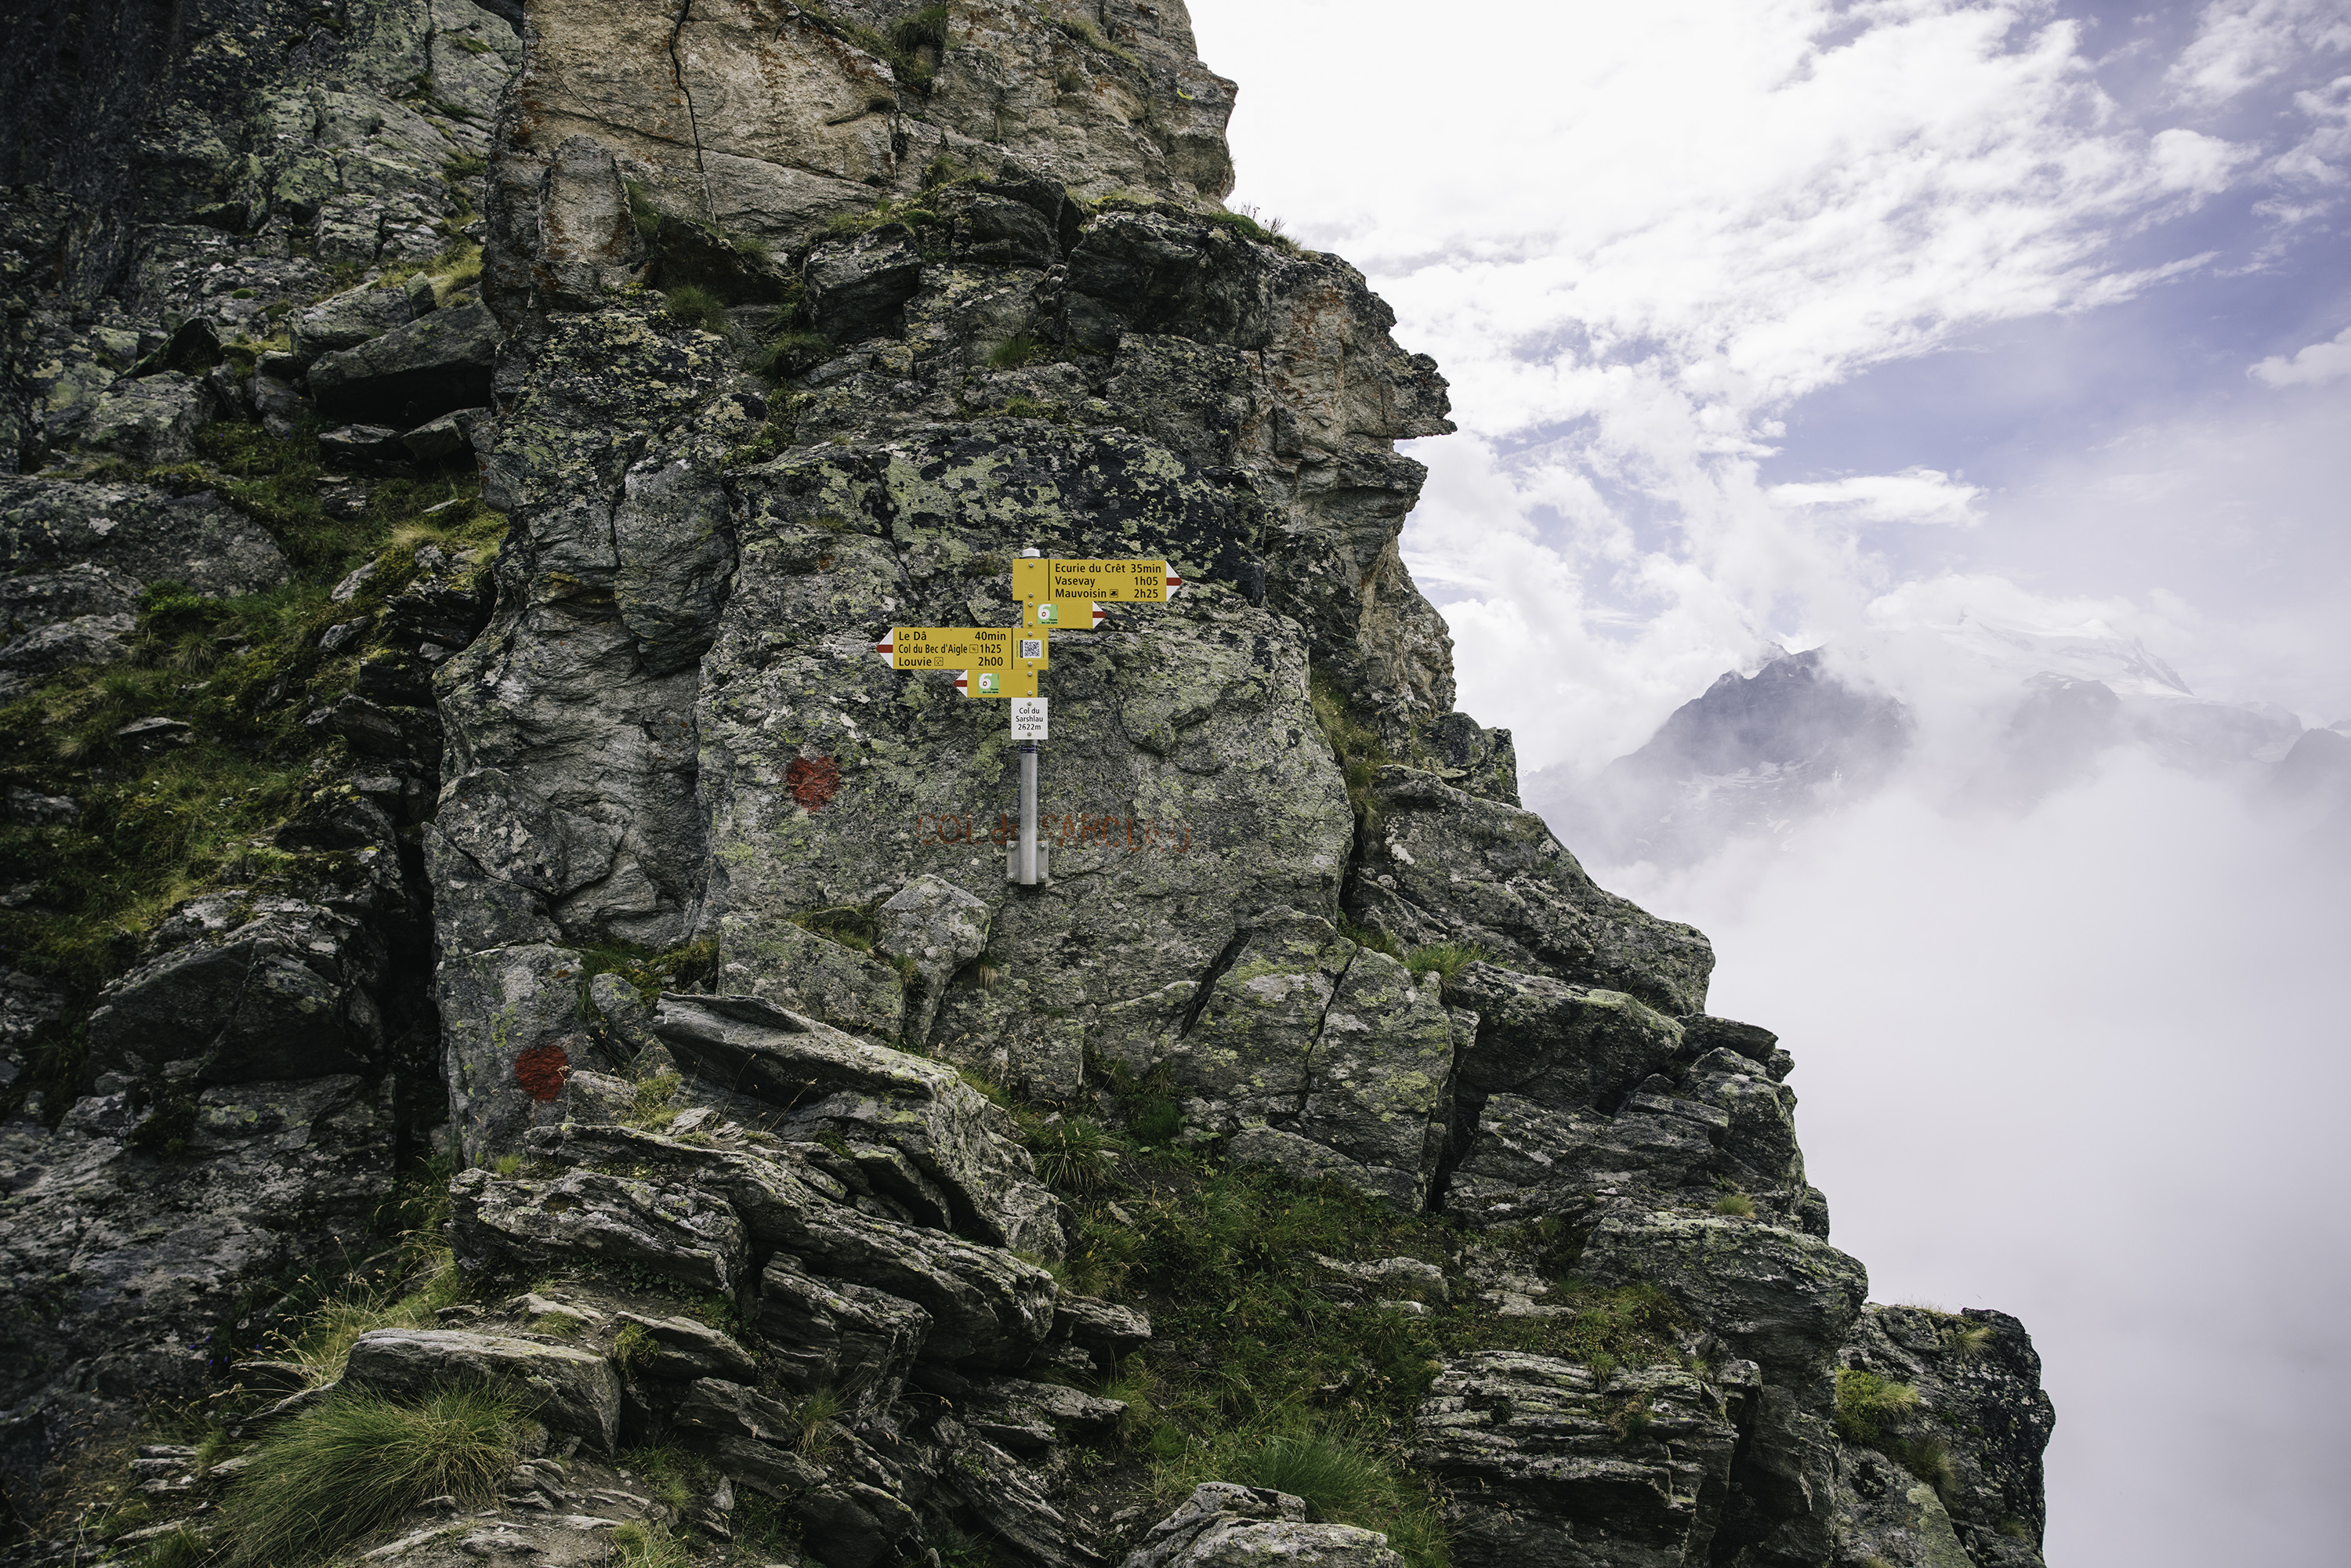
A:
(1781, 322)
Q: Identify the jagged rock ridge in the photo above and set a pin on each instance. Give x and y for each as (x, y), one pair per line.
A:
(794, 325)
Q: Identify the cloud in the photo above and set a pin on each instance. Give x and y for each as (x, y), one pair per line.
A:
(1913, 496)
(1708, 213)
(2034, 1076)
(2241, 44)
(2190, 160)
(2316, 364)
(2031, 1057)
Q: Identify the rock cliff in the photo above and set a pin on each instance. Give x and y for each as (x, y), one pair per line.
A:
(494, 954)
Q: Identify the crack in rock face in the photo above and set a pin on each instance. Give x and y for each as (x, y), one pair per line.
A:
(574, 926)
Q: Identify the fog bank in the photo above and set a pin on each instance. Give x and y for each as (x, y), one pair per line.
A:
(2085, 1062)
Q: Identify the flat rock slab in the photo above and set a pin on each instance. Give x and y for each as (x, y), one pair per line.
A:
(1547, 1461)
(921, 1108)
(672, 1230)
(413, 372)
(573, 1391)
(1225, 1526)
(138, 533)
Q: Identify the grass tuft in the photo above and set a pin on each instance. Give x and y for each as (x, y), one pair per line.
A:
(1444, 959)
(183, 1548)
(631, 1345)
(1340, 1479)
(791, 353)
(649, 972)
(1336, 1479)
(1076, 1156)
(1868, 1404)
(1015, 353)
(656, 1103)
(642, 1544)
(358, 1462)
(325, 1338)
(692, 305)
(1736, 1204)
(675, 1475)
(853, 925)
(816, 1412)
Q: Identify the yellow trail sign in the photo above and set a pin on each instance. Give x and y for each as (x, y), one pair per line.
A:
(997, 683)
(988, 661)
(1062, 615)
(1067, 594)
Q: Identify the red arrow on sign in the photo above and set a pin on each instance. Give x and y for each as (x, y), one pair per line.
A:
(1173, 582)
(1101, 615)
(963, 682)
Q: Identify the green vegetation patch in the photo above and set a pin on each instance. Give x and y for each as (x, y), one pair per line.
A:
(791, 352)
(1876, 1412)
(1015, 353)
(1267, 1370)
(1444, 959)
(856, 927)
(650, 971)
(159, 825)
(358, 1462)
(692, 305)
(1356, 746)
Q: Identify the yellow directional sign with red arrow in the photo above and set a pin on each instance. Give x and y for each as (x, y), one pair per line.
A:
(987, 661)
(1055, 595)
(1069, 595)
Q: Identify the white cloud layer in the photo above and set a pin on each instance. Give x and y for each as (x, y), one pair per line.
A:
(2069, 1065)
(1707, 212)
(2240, 44)
(2318, 363)
(1913, 496)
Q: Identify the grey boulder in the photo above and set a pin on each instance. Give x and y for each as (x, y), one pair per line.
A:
(243, 994)
(1225, 1526)
(1550, 1464)
(921, 1108)
(150, 420)
(413, 372)
(833, 1334)
(138, 534)
(570, 1390)
(665, 1229)
(856, 289)
(348, 319)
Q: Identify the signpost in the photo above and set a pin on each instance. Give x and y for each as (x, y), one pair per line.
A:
(988, 661)
(1069, 595)
(1005, 661)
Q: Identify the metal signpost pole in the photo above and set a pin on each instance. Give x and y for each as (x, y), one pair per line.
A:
(1028, 863)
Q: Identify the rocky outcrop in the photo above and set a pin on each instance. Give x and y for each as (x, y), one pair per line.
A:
(782, 1129)
(138, 1235)
(1549, 1462)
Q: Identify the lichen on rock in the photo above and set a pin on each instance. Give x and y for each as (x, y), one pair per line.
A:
(626, 1013)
